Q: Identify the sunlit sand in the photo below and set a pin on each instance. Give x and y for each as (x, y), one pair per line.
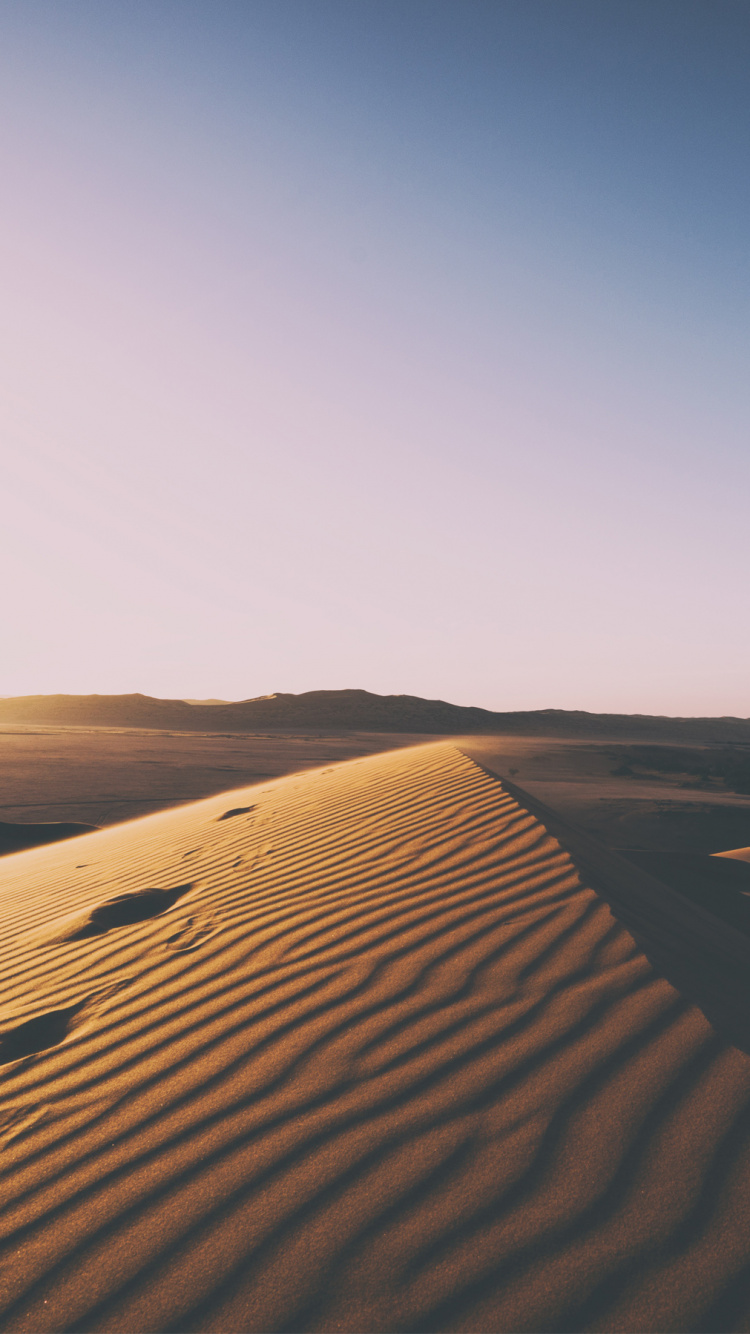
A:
(361, 1049)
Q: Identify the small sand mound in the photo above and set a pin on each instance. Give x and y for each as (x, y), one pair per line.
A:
(389, 1065)
(740, 854)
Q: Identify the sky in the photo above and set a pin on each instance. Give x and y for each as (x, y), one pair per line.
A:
(387, 344)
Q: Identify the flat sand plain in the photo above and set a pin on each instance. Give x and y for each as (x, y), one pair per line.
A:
(104, 775)
(361, 1049)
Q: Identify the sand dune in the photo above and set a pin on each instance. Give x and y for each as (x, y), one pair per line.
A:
(106, 775)
(358, 1050)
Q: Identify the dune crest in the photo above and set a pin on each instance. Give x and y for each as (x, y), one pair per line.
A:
(404, 1072)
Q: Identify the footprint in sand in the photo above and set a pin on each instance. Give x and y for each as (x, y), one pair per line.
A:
(51, 1028)
(19, 1120)
(191, 934)
(236, 810)
(122, 910)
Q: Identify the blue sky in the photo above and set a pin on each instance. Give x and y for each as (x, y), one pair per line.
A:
(394, 345)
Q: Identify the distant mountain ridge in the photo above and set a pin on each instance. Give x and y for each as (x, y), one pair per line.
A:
(355, 710)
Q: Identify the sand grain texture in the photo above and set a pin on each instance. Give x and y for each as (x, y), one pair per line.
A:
(363, 1055)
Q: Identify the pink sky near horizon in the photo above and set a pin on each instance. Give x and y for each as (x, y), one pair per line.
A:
(279, 415)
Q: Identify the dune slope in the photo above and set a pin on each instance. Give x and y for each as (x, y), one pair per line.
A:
(354, 1050)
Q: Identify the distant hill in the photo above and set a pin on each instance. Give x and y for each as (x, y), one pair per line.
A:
(356, 710)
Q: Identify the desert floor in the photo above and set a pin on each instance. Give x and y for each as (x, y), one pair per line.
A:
(102, 776)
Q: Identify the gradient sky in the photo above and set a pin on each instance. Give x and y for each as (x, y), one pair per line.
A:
(395, 344)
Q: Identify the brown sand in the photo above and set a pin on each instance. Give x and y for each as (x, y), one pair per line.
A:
(357, 1050)
(739, 854)
(584, 782)
(104, 775)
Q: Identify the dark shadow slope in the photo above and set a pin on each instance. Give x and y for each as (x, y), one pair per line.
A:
(705, 957)
(17, 837)
(717, 884)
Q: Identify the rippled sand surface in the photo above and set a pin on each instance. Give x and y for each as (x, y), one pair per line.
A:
(355, 1050)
